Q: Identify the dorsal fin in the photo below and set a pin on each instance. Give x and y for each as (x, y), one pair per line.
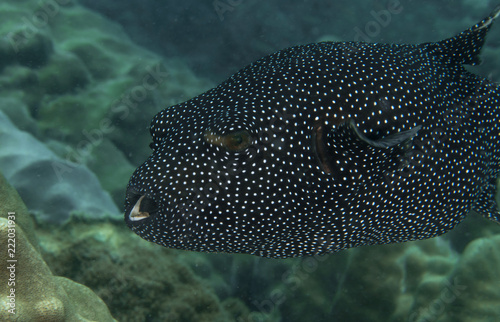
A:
(465, 47)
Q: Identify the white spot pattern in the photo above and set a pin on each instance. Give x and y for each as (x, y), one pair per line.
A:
(275, 198)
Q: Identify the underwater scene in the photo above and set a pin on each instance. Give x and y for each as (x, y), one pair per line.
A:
(346, 178)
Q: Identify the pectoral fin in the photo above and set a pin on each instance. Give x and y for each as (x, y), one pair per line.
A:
(350, 156)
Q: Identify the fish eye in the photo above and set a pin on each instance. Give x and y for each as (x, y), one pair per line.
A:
(237, 141)
(234, 141)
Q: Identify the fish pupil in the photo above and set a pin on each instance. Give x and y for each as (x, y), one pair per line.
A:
(237, 141)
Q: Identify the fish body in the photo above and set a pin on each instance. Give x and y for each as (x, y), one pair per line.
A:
(323, 147)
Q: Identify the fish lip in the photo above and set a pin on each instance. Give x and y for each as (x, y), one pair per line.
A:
(140, 207)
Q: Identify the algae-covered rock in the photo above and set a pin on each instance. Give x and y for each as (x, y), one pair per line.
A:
(138, 280)
(53, 188)
(21, 83)
(10, 201)
(375, 283)
(34, 294)
(65, 74)
(18, 112)
(474, 287)
(83, 82)
(29, 291)
(416, 282)
(114, 169)
(33, 51)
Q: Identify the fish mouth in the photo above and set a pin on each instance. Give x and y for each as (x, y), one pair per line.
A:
(140, 207)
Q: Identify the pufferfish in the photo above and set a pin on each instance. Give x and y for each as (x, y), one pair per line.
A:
(322, 147)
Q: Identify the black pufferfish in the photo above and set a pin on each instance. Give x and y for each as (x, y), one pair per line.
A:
(323, 147)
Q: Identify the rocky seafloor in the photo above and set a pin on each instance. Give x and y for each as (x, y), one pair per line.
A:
(74, 111)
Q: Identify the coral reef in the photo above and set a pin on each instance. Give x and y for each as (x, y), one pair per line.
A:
(75, 81)
(474, 284)
(29, 291)
(426, 280)
(417, 281)
(113, 261)
(76, 92)
(51, 187)
(11, 201)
